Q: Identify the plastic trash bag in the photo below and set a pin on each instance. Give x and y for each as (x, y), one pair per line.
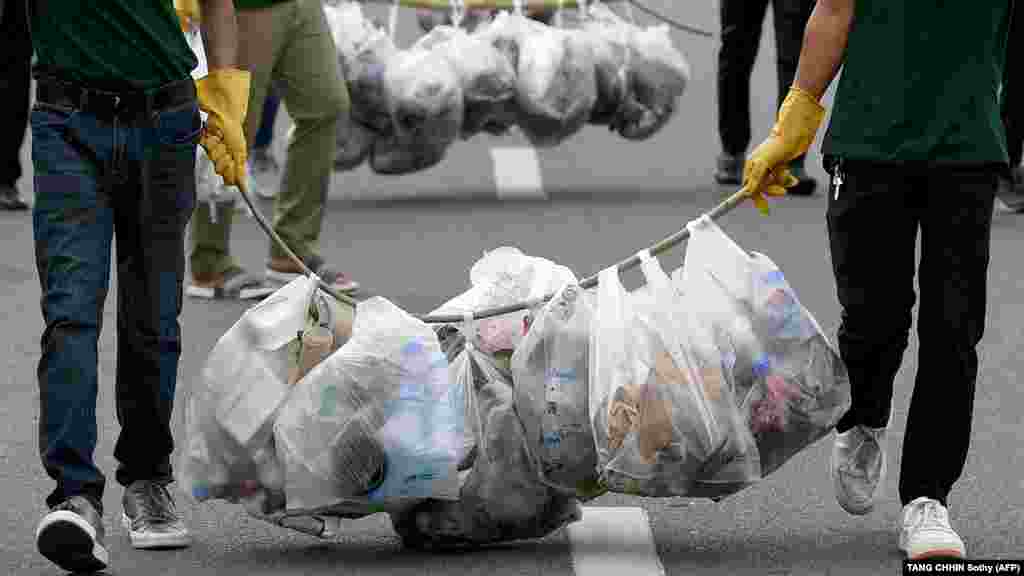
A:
(658, 74)
(378, 423)
(791, 383)
(556, 84)
(608, 37)
(229, 452)
(661, 412)
(389, 157)
(505, 276)
(551, 373)
(364, 51)
(424, 99)
(501, 497)
(486, 77)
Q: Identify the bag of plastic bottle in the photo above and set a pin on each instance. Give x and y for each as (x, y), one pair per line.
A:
(378, 423)
(658, 74)
(501, 497)
(791, 384)
(550, 369)
(424, 99)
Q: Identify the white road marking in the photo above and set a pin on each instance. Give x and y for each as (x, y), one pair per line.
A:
(517, 173)
(614, 542)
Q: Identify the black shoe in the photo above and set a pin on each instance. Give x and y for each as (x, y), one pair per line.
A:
(71, 536)
(150, 518)
(10, 200)
(729, 171)
(805, 186)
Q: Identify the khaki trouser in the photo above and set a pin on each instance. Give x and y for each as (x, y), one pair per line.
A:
(299, 53)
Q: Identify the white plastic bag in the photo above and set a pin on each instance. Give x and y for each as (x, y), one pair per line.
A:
(556, 84)
(661, 412)
(551, 373)
(364, 51)
(424, 99)
(502, 277)
(608, 37)
(658, 75)
(487, 78)
(376, 424)
(229, 453)
(792, 386)
(501, 498)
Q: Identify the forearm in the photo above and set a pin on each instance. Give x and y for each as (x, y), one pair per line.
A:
(824, 46)
(220, 33)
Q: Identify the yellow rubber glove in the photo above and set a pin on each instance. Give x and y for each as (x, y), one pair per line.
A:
(224, 95)
(188, 13)
(766, 172)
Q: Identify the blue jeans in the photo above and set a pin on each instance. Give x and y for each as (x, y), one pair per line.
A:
(265, 134)
(95, 178)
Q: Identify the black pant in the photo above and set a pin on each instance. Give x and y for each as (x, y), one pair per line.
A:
(1013, 90)
(15, 81)
(873, 228)
(741, 35)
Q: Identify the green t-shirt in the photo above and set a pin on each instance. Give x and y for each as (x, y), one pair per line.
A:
(257, 4)
(921, 82)
(111, 43)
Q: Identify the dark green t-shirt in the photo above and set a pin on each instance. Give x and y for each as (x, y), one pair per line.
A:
(921, 82)
(111, 43)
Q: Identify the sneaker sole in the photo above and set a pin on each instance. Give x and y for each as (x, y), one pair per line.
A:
(283, 278)
(154, 541)
(220, 294)
(69, 541)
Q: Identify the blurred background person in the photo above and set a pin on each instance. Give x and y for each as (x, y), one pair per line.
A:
(741, 36)
(15, 82)
(262, 162)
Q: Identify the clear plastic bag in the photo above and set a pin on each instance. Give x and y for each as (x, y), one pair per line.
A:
(229, 452)
(658, 75)
(791, 384)
(378, 423)
(551, 374)
(424, 99)
(501, 498)
(502, 277)
(661, 411)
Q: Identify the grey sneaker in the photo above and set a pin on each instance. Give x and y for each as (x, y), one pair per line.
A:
(858, 468)
(263, 165)
(926, 532)
(150, 518)
(71, 536)
(729, 170)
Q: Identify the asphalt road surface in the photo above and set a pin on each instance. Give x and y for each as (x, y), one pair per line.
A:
(605, 199)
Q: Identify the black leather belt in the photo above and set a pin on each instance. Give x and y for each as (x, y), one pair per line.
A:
(126, 105)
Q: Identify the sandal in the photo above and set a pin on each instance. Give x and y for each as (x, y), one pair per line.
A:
(283, 271)
(233, 284)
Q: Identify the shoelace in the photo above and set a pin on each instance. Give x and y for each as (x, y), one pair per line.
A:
(155, 502)
(931, 515)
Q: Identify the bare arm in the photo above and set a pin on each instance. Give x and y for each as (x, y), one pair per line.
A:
(220, 33)
(824, 45)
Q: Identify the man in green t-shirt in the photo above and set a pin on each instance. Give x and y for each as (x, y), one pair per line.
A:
(286, 41)
(915, 144)
(115, 126)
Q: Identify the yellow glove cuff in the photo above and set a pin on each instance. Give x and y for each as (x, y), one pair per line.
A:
(799, 118)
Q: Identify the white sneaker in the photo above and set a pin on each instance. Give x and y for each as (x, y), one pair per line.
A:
(858, 468)
(926, 532)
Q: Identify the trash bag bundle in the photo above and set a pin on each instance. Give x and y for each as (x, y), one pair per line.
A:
(664, 416)
(486, 76)
(231, 453)
(502, 277)
(551, 373)
(377, 424)
(640, 74)
(791, 384)
(555, 84)
(425, 105)
(364, 50)
(501, 497)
